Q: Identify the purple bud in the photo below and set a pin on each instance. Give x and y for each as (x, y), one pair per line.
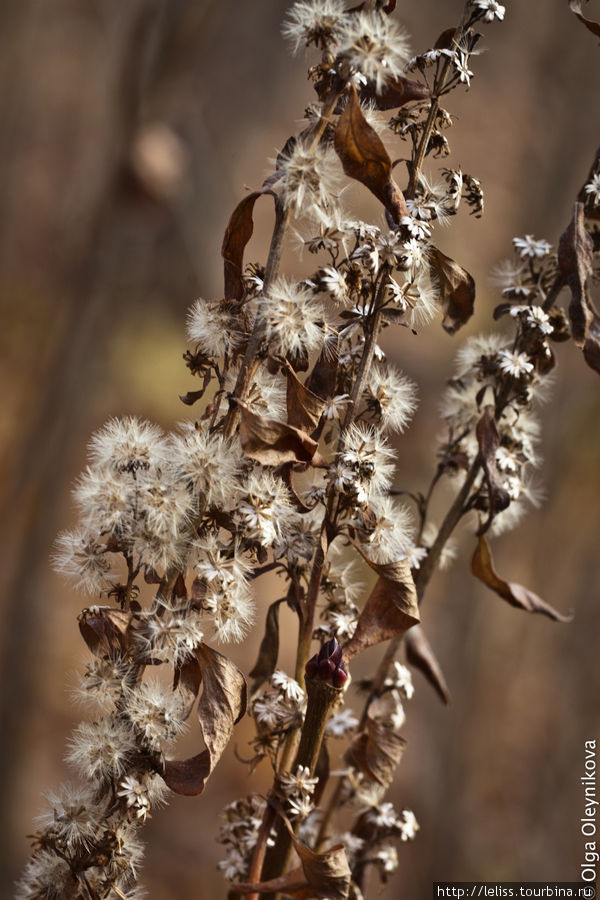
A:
(339, 676)
(336, 655)
(324, 652)
(326, 669)
(311, 666)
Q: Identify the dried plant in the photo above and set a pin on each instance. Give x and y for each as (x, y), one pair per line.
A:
(288, 468)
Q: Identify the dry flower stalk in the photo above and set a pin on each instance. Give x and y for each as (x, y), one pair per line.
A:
(288, 468)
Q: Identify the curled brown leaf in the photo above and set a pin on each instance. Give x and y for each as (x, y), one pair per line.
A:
(419, 654)
(575, 261)
(395, 93)
(488, 440)
(390, 610)
(575, 7)
(222, 704)
(274, 443)
(237, 234)
(320, 875)
(376, 751)
(482, 566)
(457, 290)
(106, 631)
(303, 407)
(365, 158)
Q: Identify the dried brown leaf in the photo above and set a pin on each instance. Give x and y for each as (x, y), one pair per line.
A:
(575, 261)
(376, 751)
(222, 704)
(390, 610)
(266, 662)
(237, 234)
(457, 290)
(106, 631)
(324, 875)
(274, 443)
(419, 654)
(489, 441)
(575, 7)
(445, 40)
(482, 566)
(365, 158)
(395, 93)
(323, 378)
(303, 407)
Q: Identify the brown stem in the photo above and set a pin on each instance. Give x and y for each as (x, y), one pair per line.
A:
(440, 83)
(321, 697)
(282, 220)
(451, 519)
(260, 849)
(422, 579)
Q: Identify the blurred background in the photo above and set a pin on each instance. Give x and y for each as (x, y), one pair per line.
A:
(129, 132)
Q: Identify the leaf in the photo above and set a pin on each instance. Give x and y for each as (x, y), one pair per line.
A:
(575, 7)
(376, 751)
(274, 443)
(482, 566)
(365, 158)
(106, 631)
(269, 648)
(391, 607)
(420, 655)
(575, 261)
(489, 441)
(395, 93)
(324, 875)
(457, 290)
(237, 234)
(303, 407)
(323, 378)
(221, 706)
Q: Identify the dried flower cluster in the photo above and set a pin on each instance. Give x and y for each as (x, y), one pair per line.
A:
(289, 468)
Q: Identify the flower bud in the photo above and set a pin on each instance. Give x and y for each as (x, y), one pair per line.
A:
(327, 665)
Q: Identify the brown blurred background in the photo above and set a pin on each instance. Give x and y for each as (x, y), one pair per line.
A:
(129, 131)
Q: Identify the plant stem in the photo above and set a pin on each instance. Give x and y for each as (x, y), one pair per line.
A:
(440, 83)
(422, 579)
(282, 220)
(321, 697)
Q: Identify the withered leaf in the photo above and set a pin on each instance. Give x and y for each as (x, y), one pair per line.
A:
(266, 662)
(237, 234)
(303, 407)
(395, 93)
(482, 566)
(391, 607)
(489, 441)
(575, 7)
(457, 290)
(222, 704)
(274, 443)
(191, 397)
(365, 158)
(376, 751)
(287, 476)
(445, 40)
(575, 261)
(323, 378)
(324, 875)
(420, 655)
(106, 631)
